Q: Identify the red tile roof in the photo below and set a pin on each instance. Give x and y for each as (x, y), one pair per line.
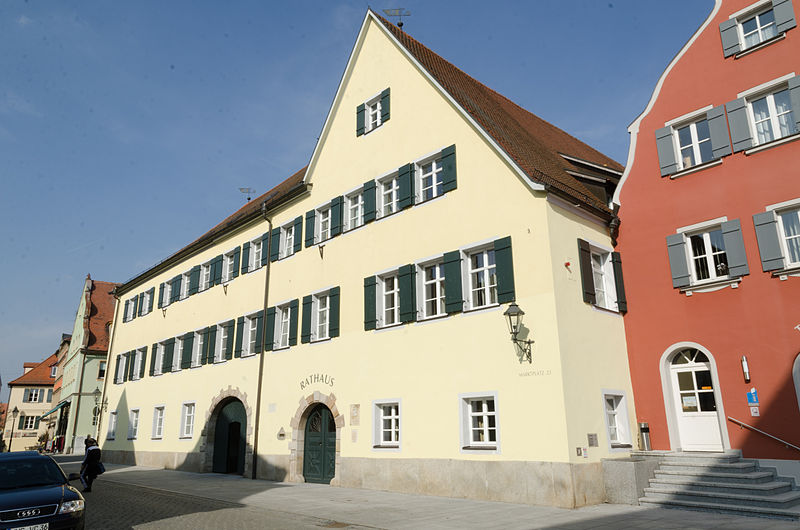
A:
(40, 375)
(531, 142)
(101, 313)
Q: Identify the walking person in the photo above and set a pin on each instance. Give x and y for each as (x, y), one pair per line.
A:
(91, 466)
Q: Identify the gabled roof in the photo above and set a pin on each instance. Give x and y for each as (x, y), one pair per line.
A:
(101, 312)
(531, 142)
(39, 375)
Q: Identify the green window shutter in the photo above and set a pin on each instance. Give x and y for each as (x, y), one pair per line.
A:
(734, 249)
(310, 227)
(504, 267)
(135, 303)
(336, 215)
(36, 423)
(175, 289)
(679, 267)
(231, 325)
(125, 313)
(160, 295)
(188, 346)
(153, 351)
(169, 356)
(21, 421)
(140, 304)
(212, 344)
(297, 244)
(293, 318)
(305, 327)
(616, 263)
(237, 352)
(360, 120)
(269, 340)
(194, 280)
(333, 321)
(275, 244)
(236, 256)
(50, 395)
(152, 293)
(453, 297)
(665, 146)
(370, 297)
(26, 395)
(245, 257)
(144, 363)
(370, 200)
(259, 330)
(448, 161)
(769, 244)
(265, 249)
(131, 365)
(204, 352)
(116, 369)
(587, 277)
(218, 271)
(385, 106)
(405, 186)
(729, 34)
(408, 293)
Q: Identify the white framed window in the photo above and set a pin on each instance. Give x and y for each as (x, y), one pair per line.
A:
(386, 424)
(605, 287)
(112, 425)
(130, 306)
(287, 240)
(789, 231)
(159, 358)
(707, 257)
(187, 420)
(158, 422)
(429, 177)
(255, 255)
(137, 363)
(197, 347)
(120, 375)
(95, 415)
(479, 422)
(251, 335)
(354, 210)
(693, 141)
(282, 324)
(320, 316)
(166, 298)
(373, 114)
(431, 285)
(228, 266)
(205, 276)
(323, 224)
(221, 345)
(133, 424)
(145, 301)
(185, 279)
(388, 195)
(177, 354)
(771, 116)
(29, 423)
(101, 370)
(615, 410)
(757, 28)
(482, 278)
(35, 395)
(388, 300)
(53, 370)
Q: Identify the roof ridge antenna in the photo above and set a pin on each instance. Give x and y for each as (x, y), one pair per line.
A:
(399, 12)
(248, 191)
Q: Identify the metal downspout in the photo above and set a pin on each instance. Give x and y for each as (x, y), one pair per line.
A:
(263, 341)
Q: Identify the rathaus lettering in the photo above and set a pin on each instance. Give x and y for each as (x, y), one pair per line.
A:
(316, 378)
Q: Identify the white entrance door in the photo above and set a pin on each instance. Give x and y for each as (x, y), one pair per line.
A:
(696, 406)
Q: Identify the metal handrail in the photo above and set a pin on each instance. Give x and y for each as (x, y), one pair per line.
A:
(743, 424)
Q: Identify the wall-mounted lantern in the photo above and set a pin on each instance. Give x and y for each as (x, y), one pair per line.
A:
(514, 316)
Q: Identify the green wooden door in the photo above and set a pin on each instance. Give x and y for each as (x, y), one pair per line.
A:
(319, 457)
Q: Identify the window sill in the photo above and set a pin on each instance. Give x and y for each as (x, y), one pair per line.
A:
(783, 274)
(353, 229)
(388, 215)
(280, 348)
(481, 309)
(110, 439)
(760, 45)
(157, 438)
(318, 341)
(606, 310)
(390, 447)
(712, 286)
(131, 437)
(621, 446)
(388, 326)
(479, 448)
(419, 201)
(433, 318)
(694, 169)
(773, 143)
(185, 437)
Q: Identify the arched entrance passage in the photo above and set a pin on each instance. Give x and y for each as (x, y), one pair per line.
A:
(230, 435)
(208, 437)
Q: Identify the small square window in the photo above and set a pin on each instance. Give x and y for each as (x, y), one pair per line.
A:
(479, 422)
(757, 28)
(386, 424)
(616, 418)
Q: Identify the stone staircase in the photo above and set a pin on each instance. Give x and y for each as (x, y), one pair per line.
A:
(720, 482)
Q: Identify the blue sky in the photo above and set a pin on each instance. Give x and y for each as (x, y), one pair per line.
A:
(126, 128)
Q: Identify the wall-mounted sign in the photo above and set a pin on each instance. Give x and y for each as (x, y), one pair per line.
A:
(754, 411)
(752, 397)
(316, 378)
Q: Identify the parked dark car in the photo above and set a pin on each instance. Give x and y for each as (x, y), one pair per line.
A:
(36, 495)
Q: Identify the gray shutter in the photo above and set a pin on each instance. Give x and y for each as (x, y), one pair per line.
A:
(784, 15)
(194, 280)
(259, 331)
(275, 244)
(769, 244)
(188, 346)
(36, 423)
(453, 297)
(310, 227)
(504, 267)
(245, 258)
(152, 292)
(729, 33)
(269, 341)
(231, 325)
(370, 297)
(408, 293)
(21, 421)
(144, 363)
(153, 351)
(739, 124)
(587, 278)
(666, 151)
(237, 254)
(369, 201)
(333, 320)
(448, 161)
(265, 248)
(293, 319)
(27, 392)
(305, 328)
(385, 106)
(40, 399)
(794, 96)
(161, 295)
(50, 395)
(360, 111)
(336, 215)
(718, 128)
(734, 249)
(169, 353)
(297, 245)
(237, 352)
(405, 186)
(679, 267)
(622, 301)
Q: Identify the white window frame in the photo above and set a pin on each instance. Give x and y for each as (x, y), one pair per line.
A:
(380, 302)
(111, 434)
(227, 265)
(220, 343)
(787, 263)
(29, 423)
(159, 361)
(465, 408)
(422, 283)
(186, 278)
(283, 320)
(467, 272)
(137, 363)
(353, 203)
(600, 261)
(624, 439)
(197, 349)
(177, 354)
(158, 422)
(286, 241)
(188, 420)
(205, 276)
(393, 193)
(321, 235)
(377, 424)
(750, 12)
(373, 114)
(145, 302)
(437, 182)
(318, 310)
(254, 259)
(695, 143)
(131, 313)
(33, 395)
(133, 424)
(705, 232)
(768, 94)
(119, 377)
(102, 367)
(251, 337)
(53, 370)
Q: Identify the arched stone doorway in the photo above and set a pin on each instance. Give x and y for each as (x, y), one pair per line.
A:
(230, 438)
(319, 446)
(297, 447)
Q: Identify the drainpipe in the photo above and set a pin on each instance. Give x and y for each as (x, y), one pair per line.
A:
(263, 340)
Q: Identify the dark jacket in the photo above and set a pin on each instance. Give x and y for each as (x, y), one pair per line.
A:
(91, 463)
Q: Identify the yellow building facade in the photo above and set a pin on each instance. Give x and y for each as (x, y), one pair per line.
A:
(348, 327)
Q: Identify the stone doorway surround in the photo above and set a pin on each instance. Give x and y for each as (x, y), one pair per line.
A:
(298, 425)
(206, 448)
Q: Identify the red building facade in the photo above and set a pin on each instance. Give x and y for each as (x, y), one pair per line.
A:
(710, 234)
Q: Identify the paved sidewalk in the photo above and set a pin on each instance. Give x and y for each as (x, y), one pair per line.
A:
(381, 509)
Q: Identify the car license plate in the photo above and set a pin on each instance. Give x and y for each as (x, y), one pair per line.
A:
(43, 526)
